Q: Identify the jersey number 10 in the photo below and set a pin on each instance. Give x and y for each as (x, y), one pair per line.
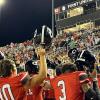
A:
(3, 93)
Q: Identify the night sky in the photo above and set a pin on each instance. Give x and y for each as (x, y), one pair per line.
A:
(19, 18)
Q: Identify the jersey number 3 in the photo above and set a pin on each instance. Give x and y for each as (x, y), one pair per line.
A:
(63, 90)
(6, 88)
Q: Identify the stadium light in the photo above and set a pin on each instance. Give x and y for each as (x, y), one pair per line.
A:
(2, 2)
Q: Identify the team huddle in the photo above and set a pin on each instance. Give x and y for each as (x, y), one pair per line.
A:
(70, 84)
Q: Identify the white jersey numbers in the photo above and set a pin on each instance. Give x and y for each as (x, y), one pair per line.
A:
(5, 91)
(63, 90)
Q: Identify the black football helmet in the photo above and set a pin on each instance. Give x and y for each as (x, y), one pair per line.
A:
(73, 54)
(82, 58)
(50, 64)
(32, 67)
(85, 58)
(43, 37)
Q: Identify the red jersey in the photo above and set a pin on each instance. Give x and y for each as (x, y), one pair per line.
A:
(98, 80)
(67, 87)
(48, 94)
(34, 94)
(11, 88)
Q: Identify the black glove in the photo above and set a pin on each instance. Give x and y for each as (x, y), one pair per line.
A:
(83, 77)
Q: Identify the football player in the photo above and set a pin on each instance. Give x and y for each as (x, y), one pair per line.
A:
(71, 85)
(49, 93)
(32, 67)
(13, 86)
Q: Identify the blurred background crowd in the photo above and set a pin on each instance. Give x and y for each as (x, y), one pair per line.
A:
(58, 51)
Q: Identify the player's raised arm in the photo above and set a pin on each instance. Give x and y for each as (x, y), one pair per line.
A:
(38, 78)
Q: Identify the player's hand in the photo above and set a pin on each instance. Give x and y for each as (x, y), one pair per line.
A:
(94, 73)
(83, 77)
(85, 87)
(41, 52)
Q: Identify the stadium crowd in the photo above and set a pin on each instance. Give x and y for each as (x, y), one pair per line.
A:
(39, 84)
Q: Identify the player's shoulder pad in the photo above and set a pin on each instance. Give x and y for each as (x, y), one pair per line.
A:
(83, 77)
(24, 77)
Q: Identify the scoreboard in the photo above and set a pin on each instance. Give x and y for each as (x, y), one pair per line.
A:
(77, 15)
